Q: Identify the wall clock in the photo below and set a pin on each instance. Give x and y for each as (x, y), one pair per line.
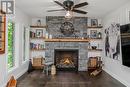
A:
(67, 28)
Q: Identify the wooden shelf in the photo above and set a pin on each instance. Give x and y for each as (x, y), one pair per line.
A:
(71, 40)
(37, 49)
(66, 40)
(95, 50)
(90, 27)
(37, 37)
(38, 27)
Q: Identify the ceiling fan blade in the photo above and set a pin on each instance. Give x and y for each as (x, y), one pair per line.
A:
(80, 5)
(56, 10)
(59, 3)
(79, 11)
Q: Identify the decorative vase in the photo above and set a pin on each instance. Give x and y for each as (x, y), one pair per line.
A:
(46, 35)
(99, 35)
(38, 22)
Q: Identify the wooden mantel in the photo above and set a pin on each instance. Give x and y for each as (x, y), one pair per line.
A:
(67, 40)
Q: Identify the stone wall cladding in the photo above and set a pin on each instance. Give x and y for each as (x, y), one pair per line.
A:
(54, 24)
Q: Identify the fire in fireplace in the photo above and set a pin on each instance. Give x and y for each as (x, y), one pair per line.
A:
(66, 59)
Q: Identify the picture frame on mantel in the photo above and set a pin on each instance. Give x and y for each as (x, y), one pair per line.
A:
(2, 33)
(94, 22)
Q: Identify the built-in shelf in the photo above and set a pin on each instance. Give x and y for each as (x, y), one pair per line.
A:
(38, 27)
(38, 49)
(37, 38)
(95, 50)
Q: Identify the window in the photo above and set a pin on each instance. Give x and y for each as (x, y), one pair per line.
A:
(11, 45)
(24, 44)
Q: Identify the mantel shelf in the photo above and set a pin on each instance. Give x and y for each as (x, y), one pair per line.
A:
(66, 40)
(72, 40)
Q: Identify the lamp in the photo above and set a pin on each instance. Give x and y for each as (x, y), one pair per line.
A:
(68, 14)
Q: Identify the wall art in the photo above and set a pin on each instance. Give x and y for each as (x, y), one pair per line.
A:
(112, 41)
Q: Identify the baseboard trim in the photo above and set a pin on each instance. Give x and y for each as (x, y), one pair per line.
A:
(117, 78)
(20, 74)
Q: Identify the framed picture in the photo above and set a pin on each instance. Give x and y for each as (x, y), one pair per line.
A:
(39, 33)
(93, 33)
(94, 22)
(2, 33)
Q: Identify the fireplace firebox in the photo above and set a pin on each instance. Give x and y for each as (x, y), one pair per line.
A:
(66, 60)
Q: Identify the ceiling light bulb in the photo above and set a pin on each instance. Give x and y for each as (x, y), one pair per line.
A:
(68, 14)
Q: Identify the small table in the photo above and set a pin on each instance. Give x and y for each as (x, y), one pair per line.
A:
(47, 65)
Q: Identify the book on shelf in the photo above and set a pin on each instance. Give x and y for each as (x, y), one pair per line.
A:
(36, 46)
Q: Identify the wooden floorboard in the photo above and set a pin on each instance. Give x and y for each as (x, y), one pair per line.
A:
(67, 79)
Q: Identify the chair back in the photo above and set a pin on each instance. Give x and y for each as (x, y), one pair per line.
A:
(93, 62)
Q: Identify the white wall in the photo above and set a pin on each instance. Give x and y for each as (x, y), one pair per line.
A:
(20, 19)
(115, 67)
(43, 21)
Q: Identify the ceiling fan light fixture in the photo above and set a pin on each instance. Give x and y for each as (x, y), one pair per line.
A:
(69, 14)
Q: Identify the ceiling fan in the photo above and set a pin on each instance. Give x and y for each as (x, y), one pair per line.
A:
(68, 5)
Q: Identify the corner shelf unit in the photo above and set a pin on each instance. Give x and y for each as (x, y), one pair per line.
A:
(37, 41)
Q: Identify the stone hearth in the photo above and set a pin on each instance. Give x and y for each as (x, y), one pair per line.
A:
(80, 46)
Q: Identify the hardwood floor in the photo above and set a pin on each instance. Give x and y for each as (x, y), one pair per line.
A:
(67, 79)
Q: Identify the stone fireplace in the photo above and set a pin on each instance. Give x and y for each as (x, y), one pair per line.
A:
(79, 48)
(60, 28)
(66, 59)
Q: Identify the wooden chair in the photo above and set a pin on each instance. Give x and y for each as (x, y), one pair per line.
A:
(93, 64)
(12, 82)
